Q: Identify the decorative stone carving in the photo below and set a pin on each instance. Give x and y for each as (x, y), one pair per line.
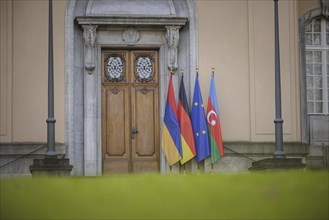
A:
(325, 8)
(130, 36)
(172, 40)
(89, 36)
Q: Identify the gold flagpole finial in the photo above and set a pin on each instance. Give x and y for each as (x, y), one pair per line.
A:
(197, 70)
(171, 72)
(213, 69)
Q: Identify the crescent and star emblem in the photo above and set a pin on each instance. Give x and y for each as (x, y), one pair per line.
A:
(212, 122)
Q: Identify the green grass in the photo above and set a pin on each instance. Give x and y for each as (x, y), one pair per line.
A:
(270, 195)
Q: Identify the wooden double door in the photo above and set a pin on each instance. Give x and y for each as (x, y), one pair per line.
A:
(130, 111)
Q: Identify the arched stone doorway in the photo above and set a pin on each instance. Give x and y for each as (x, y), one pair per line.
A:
(168, 26)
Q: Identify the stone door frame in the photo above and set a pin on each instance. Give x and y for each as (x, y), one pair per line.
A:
(85, 36)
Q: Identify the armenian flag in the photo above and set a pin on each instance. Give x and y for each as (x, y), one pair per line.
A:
(171, 138)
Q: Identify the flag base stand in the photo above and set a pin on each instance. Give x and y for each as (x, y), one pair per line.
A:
(212, 169)
(277, 164)
(51, 166)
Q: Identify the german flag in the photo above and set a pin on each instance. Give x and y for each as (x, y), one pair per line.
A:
(183, 111)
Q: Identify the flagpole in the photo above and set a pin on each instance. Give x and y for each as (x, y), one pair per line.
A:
(212, 165)
(169, 165)
(182, 71)
(197, 73)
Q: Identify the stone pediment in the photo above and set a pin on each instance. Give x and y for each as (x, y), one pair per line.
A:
(149, 8)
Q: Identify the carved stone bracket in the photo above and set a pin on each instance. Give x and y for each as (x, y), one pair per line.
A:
(130, 36)
(172, 40)
(325, 8)
(89, 36)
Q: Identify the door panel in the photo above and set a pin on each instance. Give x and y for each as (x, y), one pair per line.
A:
(116, 144)
(145, 147)
(130, 111)
(118, 125)
(144, 117)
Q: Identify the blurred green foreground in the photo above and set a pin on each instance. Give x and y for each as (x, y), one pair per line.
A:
(270, 195)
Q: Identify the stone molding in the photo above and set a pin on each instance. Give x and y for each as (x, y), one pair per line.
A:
(128, 21)
(172, 37)
(89, 37)
(258, 149)
(128, 7)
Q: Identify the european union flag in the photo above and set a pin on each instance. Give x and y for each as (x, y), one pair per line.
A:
(199, 124)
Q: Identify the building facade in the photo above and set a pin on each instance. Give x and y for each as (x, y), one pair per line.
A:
(111, 69)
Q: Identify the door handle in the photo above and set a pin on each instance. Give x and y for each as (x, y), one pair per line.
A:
(133, 132)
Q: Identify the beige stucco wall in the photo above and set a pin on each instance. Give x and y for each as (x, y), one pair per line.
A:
(240, 44)
(306, 5)
(24, 109)
(236, 37)
(223, 44)
(5, 71)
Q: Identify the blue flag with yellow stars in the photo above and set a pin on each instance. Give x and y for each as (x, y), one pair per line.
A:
(199, 124)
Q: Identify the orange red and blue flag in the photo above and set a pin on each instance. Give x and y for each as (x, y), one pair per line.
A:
(171, 138)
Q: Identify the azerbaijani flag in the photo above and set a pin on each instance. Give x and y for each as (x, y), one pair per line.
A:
(199, 124)
(171, 139)
(215, 134)
(188, 146)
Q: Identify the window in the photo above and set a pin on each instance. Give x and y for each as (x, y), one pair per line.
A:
(317, 66)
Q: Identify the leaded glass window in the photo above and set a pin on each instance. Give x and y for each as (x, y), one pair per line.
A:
(144, 68)
(317, 65)
(115, 68)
